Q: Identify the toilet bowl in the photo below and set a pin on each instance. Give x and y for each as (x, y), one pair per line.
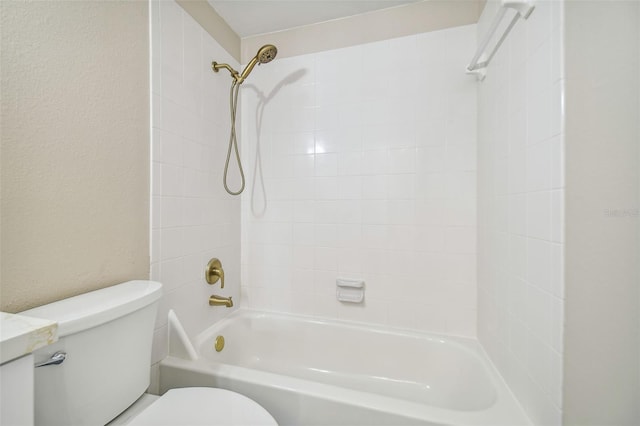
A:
(105, 340)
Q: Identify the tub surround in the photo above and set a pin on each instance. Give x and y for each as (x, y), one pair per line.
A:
(192, 218)
(521, 191)
(361, 164)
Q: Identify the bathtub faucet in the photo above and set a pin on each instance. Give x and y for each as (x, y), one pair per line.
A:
(220, 301)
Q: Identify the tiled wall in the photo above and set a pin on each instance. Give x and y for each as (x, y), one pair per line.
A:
(193, 219)
(361, 163)
(521, 201)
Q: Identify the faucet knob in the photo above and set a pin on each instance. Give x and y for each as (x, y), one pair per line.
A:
(214, 272)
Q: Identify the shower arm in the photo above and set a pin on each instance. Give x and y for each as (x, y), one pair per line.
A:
(216, 67)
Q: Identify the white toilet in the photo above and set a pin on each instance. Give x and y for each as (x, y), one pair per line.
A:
(105, 351)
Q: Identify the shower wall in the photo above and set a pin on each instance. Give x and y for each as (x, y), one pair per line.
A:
(193, 219)
(520, 209)
(361, 164)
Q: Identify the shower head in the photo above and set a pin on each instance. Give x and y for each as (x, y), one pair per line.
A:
(266, 54)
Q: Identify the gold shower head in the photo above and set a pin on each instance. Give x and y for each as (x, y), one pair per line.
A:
(266, 54)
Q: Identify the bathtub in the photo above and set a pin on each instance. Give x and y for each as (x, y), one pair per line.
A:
(306, 371)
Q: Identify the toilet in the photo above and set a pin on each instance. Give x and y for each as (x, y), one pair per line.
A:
(100, 366)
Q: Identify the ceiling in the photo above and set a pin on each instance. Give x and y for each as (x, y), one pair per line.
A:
(252, 17)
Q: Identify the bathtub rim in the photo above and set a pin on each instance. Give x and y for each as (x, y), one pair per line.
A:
(468, 344)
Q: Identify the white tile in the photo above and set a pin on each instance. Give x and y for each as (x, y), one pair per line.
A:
(557, 270)
(375, 212)
(557, 162)
(156, 246)
(375, 187)
(303, 165)
(402, 160)
(460, 157)
(539, 314)
(557, 324)
(172, 243)
(517, 214)
(462, 184)
(430, 212)
(401, 212)
(326, 165)
(539, 215)
(518, 340)
(375, 236)
(539, 362)
(325, 235)
(303, 257)
(460, 211)
(460, 240)
(538, 173)
(555, 389)
(401, 186)
(539, 30)
(172, 150)
(171, 212)
(349, 187)
(303, 211)
(432, 186)
(430, 238)
(301, 143)
(557, 108)
(349, 260)
(375, 162)
(430, 159)
(160, 344)
(400, 238)
(557, 216)
(171, 33)
(517, 170)
(539, 263)
(326, 188)
(349, 163)
(463, 323)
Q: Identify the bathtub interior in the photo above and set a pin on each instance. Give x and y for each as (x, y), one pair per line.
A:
(423, 369)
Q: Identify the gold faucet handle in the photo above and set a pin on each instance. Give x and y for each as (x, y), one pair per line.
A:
(214, 272)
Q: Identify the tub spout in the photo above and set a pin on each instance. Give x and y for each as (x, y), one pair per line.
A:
(220, 301)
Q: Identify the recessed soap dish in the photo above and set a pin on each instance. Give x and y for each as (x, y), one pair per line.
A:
(349, 290)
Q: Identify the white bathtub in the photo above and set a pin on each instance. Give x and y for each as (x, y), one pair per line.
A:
(307, 371)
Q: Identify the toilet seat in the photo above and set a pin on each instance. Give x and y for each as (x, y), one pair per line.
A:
(203, 406)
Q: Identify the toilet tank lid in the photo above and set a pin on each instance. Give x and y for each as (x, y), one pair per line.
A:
(91, 309)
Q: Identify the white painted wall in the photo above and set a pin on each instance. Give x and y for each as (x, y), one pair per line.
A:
(602, 347)
(520, 201)
(192, 218)
(361, 163)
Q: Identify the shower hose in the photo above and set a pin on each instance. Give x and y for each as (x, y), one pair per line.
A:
(233, 140)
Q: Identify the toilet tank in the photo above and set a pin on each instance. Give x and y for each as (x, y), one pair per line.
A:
(106, 335)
